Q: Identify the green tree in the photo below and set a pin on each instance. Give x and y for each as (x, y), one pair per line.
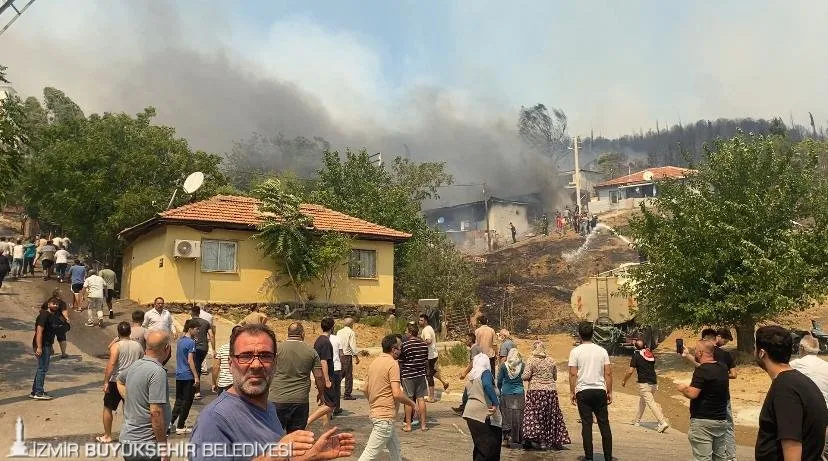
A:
(357, 185)
(286, 235)
(427, 265)
(743, 241)
(332, 254)
(59, 107)
(612, 164)
(95, 177)
(14, 140)
(435, 269)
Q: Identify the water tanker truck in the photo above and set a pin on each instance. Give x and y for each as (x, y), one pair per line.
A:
(613, 313)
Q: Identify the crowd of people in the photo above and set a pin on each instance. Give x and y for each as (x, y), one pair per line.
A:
(508, 401)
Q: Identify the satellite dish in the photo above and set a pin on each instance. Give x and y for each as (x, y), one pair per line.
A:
(193, 182)
(441, 220)
(648, 175)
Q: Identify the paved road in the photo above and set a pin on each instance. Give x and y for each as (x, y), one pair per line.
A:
(74, 414)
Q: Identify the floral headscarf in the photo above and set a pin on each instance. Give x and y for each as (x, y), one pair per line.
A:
(514, 363)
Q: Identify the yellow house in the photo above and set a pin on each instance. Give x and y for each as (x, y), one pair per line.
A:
(203, 252)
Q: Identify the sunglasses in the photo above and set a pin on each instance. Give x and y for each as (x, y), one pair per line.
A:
(247, 357)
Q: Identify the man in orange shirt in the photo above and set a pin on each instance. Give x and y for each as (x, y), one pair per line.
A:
(383, 391)
(484, 336)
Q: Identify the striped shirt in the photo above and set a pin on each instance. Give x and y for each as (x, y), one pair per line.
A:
(223, 356)
(413, 358)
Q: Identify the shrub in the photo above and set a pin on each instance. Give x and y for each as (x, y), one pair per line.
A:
(373, 320)
(455, 355)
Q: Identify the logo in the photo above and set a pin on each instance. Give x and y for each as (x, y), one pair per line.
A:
(18, 448)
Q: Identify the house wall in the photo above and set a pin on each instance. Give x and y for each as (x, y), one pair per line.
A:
(501, 214)
(141, 275)
(182, 280)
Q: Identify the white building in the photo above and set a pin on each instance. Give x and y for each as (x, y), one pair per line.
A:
(628, 191)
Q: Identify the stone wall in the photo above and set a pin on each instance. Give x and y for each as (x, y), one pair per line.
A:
(292, 310)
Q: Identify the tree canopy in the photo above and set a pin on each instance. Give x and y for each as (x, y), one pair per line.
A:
(14, 140)
(96, 176)
(743, 241)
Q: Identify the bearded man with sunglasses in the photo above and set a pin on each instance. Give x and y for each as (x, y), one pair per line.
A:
(241, 419)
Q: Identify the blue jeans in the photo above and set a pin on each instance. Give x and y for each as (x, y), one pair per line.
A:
(730, 434)
(42, 368)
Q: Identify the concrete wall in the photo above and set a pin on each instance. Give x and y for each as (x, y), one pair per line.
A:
(604, 205)
(501, 214)
(150, 270)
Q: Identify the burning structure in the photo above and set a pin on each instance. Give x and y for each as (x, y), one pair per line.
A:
(478, 226)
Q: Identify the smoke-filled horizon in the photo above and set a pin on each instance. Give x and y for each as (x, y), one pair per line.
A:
(401, 80)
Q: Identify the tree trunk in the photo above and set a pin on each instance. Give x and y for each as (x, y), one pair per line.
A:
(745, 336)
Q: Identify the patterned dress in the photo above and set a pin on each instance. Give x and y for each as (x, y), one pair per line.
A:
(543, 422)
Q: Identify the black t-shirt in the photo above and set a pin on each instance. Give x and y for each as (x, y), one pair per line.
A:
(645, 369)
(46, 320)
(724, 357)
(711, 379)
(794, 409)
(325, 350)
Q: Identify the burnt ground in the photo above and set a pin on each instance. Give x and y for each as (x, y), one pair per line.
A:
(527, 286)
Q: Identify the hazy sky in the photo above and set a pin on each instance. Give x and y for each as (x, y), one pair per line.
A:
(357, 71)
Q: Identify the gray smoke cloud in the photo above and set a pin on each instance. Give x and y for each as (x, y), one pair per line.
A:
(213, 96)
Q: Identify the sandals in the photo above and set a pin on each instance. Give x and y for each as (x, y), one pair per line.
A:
(101, 439)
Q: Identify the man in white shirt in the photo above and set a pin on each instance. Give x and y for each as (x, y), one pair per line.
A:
(95, 293)
(349, 356)
(812, 366)
(590, 387)
(61, 263)
(57, 241)
(17, 259)
(159, 318)
(427, 334)
(336, 379)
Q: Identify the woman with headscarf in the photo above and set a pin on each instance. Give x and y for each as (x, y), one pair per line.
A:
(481, 410)
(543, 422)
(510, 383)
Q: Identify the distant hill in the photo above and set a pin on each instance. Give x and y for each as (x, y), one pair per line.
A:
(679, 145)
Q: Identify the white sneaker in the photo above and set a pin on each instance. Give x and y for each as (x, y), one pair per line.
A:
(89, 323)
(663, 426)
(183, 430)
(42, 397)
(635, 422)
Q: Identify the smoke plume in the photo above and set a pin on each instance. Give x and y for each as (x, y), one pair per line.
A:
(115, 60)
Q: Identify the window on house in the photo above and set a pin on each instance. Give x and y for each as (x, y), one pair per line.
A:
(218, 256)
(363, 264)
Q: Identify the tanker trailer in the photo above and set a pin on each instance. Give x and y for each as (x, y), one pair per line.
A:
(601, 301)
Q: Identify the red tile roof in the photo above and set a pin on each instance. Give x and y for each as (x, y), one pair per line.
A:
(661, 172)
(240, 211)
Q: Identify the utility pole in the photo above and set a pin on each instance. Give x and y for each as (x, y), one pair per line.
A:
(488, 229)
(577, 176)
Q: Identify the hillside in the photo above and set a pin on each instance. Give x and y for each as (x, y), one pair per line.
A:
(527, 287)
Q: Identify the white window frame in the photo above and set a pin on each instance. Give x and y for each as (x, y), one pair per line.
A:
(354, 252)
(235, 244)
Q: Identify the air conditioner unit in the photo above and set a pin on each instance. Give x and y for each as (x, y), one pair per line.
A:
(187, 249)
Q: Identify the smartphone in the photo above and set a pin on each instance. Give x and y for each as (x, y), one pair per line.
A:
(679, 346)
